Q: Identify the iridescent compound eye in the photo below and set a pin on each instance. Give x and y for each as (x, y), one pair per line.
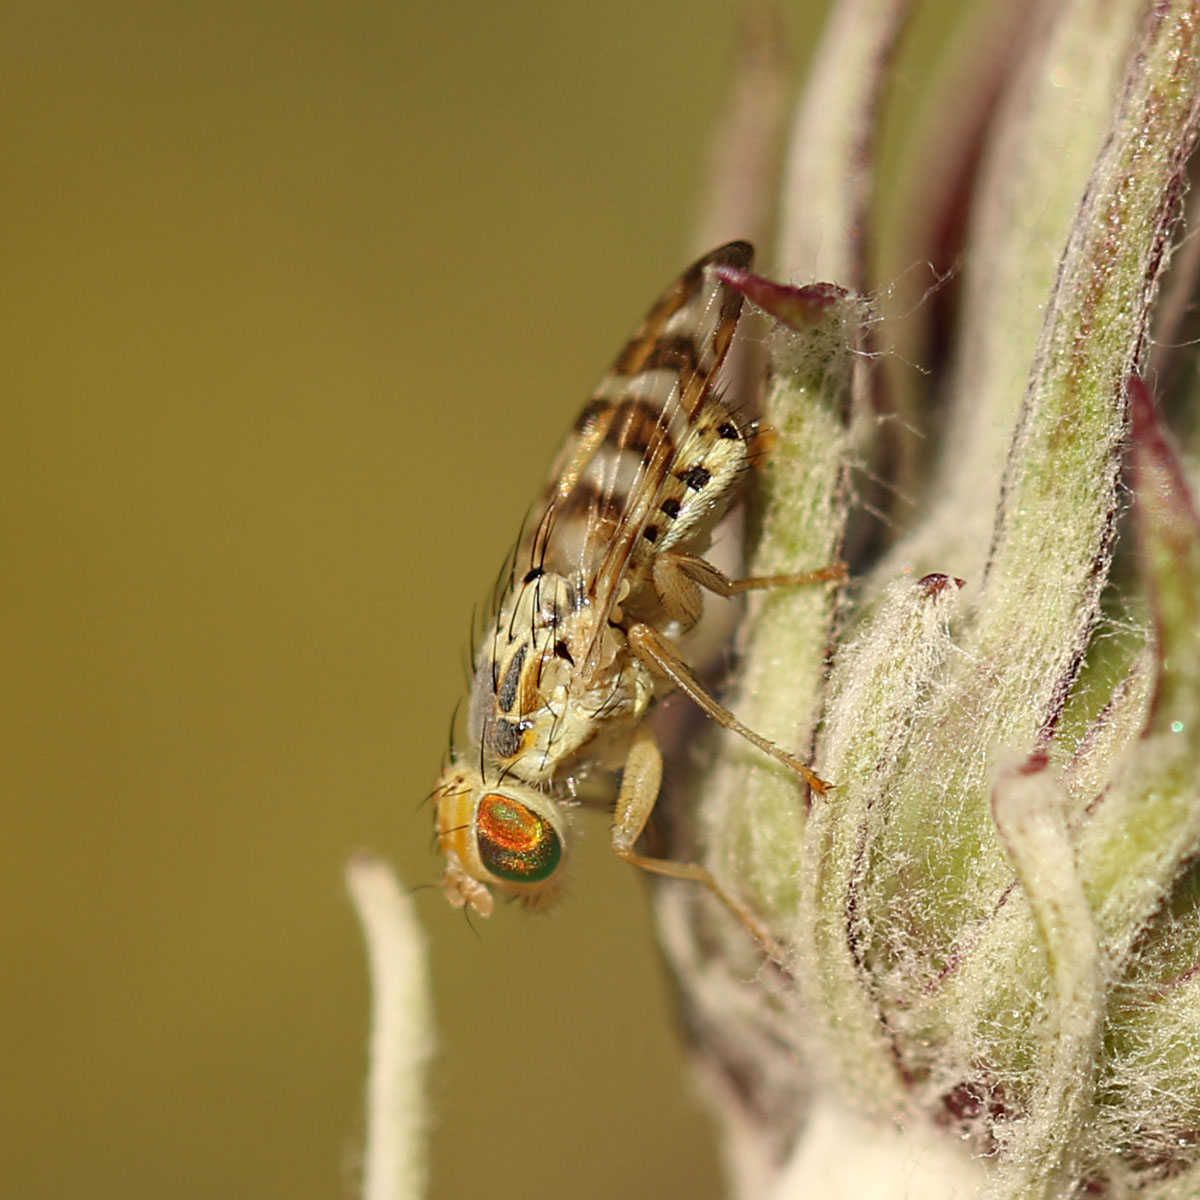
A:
(514, 842)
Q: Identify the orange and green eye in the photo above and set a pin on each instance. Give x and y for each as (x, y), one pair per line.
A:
(514, 842)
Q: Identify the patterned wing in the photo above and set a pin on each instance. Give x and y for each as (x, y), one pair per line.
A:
(649, 464)
(649, 413)
(656, 450)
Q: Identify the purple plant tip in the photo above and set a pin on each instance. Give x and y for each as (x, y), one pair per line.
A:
(798, 308)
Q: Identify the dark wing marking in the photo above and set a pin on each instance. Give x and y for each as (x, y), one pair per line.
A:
(654, 394)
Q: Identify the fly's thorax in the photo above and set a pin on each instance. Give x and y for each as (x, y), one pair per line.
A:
(544, 695)
(603, 707)
(513, 702)
(503, 835)
(523, 664)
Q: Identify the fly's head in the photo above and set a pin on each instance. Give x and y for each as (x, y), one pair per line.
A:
(507, 835)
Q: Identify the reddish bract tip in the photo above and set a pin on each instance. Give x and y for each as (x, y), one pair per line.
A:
(798, 308)
(1037, 762)
(1154, 464)
(937, 582)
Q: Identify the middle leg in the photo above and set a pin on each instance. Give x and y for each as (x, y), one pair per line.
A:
(657, 652)
(640, 783)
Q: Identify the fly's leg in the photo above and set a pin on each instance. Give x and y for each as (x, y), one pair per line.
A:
(640, 782)
(712, 580)
(679, 578)
(661, 657)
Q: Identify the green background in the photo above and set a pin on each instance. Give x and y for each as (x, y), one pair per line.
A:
(297, 300)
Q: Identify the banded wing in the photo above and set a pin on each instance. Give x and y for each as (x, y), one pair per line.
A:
(653, 457)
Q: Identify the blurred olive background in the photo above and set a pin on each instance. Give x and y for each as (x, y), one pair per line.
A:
(297, 300)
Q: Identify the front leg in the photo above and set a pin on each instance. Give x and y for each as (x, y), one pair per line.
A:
(661, 657)
(640, 781)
